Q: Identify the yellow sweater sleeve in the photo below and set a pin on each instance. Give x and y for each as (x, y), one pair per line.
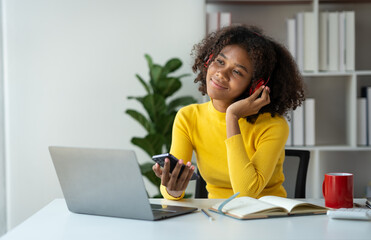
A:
(181, 148)
(166, 195)
(249, 176)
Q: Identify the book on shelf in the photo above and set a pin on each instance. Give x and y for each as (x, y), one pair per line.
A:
(300, 40)
(291, 36)
(341, 41)
(309, 43)
(298, 126)
(309, 122)
(302, 127)
(336, 41)
(333, 39)
(264, 207)
(212, 22)
(225, 19)
(323, 43)
(362, 121)
(350, 41)
(289, 123)
(217, 20)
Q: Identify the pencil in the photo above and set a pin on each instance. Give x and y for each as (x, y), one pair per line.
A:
(207, 214)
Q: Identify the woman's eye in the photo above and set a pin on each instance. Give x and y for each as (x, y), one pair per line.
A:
(219, 61)
(237, 72)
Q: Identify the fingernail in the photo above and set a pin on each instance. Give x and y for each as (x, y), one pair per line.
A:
(193, 167)
(180, 161)
(189, 164)
(166, 160)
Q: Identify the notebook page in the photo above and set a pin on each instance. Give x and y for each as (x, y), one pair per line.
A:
(286, 203)
(245, 205)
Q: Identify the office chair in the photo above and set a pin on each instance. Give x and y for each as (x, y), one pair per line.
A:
(296, 161)
(201, 191)
(295, 168)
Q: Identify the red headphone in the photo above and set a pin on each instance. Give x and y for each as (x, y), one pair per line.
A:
(206, 64)
(260, 83)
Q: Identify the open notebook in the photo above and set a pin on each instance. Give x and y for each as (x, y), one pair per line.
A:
(264, 207)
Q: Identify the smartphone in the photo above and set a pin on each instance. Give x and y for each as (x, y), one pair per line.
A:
(160, 159)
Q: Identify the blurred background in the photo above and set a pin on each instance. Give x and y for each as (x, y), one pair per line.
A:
(68, 66)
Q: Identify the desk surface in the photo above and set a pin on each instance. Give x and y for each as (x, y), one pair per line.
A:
(55, 222)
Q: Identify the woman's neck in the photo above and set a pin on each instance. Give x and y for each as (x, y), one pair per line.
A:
(220, 106)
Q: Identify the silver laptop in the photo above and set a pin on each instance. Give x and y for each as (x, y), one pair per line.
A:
(106, 182)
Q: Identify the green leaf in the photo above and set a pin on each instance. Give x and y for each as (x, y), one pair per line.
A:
(183, 75)
(146, 170)
(168, 86)
(141, 119)
(152, 144)
(149, 60)
(179, 102)
(145, 85)
(155, 72)
(154, 105)
(187, 195)
(164, 124)
(139, 99)
(171, 66)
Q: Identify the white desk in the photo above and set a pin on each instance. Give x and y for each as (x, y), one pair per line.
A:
(55, 222)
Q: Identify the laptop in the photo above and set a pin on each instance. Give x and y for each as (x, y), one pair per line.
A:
(106, 182)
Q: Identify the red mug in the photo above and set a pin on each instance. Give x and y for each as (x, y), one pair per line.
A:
(337, 190)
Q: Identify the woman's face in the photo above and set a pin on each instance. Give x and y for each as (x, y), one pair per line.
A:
(229, 74)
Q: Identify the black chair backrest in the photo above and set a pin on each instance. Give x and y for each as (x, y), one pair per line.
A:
(201, 191)
(300, 178)
(295, 169)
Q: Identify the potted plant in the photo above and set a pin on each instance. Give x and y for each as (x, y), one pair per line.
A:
(160, 111)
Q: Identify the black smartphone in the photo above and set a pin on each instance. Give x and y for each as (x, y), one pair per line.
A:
(160, 159)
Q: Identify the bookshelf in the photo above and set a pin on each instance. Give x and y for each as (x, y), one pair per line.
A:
(335, 92)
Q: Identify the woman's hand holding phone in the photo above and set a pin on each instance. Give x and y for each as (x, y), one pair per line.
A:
(175, 182)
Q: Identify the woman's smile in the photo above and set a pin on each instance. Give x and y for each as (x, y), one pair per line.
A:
(217, 84)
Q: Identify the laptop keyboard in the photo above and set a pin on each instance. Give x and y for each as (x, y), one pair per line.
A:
(159, 210)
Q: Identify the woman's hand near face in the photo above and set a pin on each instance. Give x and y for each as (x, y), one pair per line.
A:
(175, 184)
(251, 105)
(245, 107)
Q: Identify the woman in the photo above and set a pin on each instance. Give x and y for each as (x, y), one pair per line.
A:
(239, 136)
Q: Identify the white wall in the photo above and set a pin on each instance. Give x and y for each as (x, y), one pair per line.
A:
(2, 141)
(69, 66)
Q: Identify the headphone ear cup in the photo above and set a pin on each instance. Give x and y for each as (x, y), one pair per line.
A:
(256, 86)
(206, 64)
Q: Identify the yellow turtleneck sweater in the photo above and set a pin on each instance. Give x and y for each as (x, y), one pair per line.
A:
(249, 163)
